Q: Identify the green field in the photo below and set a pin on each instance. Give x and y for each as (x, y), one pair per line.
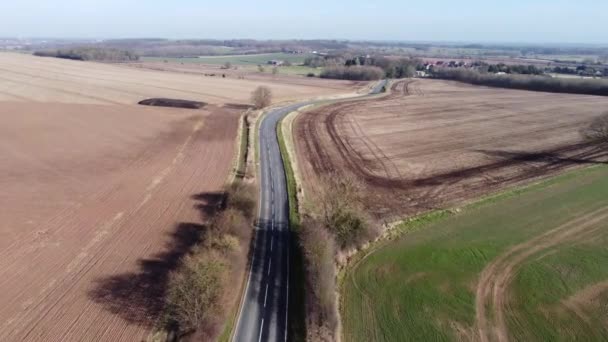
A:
(234, 59)
(530, 264)
(248, 62)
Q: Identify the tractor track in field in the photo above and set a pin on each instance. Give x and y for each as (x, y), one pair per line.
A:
(494, 281)
(429, 144)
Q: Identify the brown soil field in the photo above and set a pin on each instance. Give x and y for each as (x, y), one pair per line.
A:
(431, 144)
(98, 204)
(29, 78)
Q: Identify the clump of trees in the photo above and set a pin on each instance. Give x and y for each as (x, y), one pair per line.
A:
(398, 68)
(511, 69)
(261, 97)
(91, 54)
(199, 289)
(597, 131)
(353, 73)
(340, 224)
(524, 82)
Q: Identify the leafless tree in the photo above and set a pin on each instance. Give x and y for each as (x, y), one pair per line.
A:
(261, 97)
(598, 129)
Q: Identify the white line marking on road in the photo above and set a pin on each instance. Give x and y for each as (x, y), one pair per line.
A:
(266, 295)
(287, 300)
(261, 329)
(271, 243)
(269, 266)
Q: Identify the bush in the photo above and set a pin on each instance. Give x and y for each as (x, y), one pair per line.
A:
(242, 197)
(353, 73)
(342, 212)
(195, 290)
(261, 97)
(535, 83)
(198, 291)
(230, 222)
(319, 251)
(311, 74)
(597, 130)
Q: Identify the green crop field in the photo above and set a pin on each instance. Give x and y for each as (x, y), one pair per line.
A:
(234, 59)
(528, 265)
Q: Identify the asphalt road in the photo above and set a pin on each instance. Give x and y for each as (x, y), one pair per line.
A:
(264, 310)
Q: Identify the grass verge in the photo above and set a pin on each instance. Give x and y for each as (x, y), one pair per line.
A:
(419, 283)
(243, 148)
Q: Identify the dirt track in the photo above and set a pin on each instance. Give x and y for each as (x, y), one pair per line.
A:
(433, 143)
(98, 205)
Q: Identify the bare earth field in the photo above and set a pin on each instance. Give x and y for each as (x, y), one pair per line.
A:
(98, 205)
(101, 197)
(30, 78)
(433, 143)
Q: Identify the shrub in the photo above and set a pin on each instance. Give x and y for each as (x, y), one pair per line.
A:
(311, 74)
(242, 197)
(319, 251)
(194, 292)
(342, 212)
(231, 221)
(598, 129)
(261, 97)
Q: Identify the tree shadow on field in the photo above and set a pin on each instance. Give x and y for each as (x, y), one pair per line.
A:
(139, 297)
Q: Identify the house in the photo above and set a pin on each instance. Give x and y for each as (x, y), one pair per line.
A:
(420, 74)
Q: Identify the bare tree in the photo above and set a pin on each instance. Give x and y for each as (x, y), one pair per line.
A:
(261, 97)
(319, 251)
(275, 71)
(261, 68)
(227, 65)
(598, 129)
(342, 212)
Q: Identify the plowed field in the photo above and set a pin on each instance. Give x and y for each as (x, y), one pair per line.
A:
(29, 78)
(98, 205)
(433, 143)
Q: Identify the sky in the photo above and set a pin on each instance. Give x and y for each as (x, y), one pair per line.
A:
(512, 21)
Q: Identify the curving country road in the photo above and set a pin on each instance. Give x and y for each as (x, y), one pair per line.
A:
(265, 305)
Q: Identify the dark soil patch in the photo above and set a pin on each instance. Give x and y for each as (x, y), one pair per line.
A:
(174, 103)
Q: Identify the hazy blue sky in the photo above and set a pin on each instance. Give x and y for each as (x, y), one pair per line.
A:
(580, 21)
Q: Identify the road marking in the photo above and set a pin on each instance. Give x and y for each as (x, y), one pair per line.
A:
(266, 295)
(269, 267)
(271, 243)
(261, 329)
(287, 298)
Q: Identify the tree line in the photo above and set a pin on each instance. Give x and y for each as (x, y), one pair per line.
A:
(91, 54)
(525, 82)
